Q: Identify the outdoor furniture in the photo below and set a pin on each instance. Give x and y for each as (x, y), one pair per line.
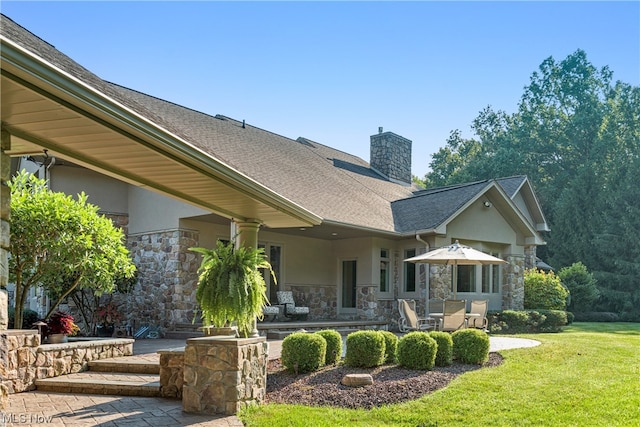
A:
(453, 316)
(271, 312)
(285, 298)
(409, 320)
(477, 316)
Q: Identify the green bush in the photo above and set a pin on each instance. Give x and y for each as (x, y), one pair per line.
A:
(528, 321)
(582, 287)
(596, 316)
(470, 346)
(417, 350)
(334, 345)
(29, 317)
(444, 355)
(390, 346)
(303, 352)
(365, 349)
(544, 291)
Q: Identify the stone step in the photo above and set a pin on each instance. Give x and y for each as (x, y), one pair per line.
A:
(132, 365)
(114, 383)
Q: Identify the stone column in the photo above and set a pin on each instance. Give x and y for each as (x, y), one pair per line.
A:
(5, 211)
(224, 374)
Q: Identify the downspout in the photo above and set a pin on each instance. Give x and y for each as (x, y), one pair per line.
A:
(428, 275)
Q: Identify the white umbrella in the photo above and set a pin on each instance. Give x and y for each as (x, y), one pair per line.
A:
(455, 255)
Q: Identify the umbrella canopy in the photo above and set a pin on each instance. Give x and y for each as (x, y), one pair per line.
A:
(455, 255)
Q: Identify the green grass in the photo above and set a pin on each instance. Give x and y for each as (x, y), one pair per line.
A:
(588, 375)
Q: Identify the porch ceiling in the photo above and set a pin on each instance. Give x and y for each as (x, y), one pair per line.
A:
(42, 108)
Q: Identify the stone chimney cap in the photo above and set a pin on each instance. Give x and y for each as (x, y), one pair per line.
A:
(379, 129)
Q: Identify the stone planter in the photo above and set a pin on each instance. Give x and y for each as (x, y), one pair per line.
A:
(226, 331)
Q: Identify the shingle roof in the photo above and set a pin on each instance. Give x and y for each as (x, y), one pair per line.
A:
(334, 185)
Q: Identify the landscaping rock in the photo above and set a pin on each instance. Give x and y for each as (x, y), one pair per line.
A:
(357, 380)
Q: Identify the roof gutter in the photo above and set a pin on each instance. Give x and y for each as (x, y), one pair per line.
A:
(26, 66)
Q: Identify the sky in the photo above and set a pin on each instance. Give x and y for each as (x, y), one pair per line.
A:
(332, 71)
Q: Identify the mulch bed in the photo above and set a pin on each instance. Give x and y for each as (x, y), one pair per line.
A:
(391, 384)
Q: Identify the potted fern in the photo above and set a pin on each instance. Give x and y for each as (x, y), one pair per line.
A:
(231, 289)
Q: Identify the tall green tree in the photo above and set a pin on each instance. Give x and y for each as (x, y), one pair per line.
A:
(576, 136)
(60, 243)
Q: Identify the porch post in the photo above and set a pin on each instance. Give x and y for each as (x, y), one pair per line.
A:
(248, 237)
(5, 212)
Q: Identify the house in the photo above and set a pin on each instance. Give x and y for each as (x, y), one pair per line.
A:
(335, 228)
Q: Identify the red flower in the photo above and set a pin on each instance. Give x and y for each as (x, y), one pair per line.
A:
(60, 323)
(107, 314)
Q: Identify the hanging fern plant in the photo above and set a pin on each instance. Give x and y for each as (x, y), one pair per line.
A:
(231, 288)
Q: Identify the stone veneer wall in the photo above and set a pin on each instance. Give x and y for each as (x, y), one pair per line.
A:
(513, 283)
(26, 360)
(321, 300)
(171, 373)
(223, 375)
(530, 256)
(168, 276)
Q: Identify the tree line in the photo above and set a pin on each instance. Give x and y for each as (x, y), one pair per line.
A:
(576, 135)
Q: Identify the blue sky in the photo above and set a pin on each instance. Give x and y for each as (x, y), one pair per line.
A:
(334, 72)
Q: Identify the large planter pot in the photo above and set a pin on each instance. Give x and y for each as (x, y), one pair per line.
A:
(105, 330)
(210, 331)
(56, 338)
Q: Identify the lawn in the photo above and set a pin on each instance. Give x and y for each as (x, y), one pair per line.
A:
(588, 375)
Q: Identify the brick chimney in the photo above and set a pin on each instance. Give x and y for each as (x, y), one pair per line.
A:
(391, 156)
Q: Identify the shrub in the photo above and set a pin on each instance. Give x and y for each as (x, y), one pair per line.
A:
(303, 352)
(582, 287)
(554, 320)
(390, 346)
(334, 345)
(528, 321)
(596, 316)
(29, 317)
(444, 355)
(470, 346)
(544, 291)
(365, 349)
(417, 350)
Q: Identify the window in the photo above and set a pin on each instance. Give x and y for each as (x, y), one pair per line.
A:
(466, 278)
(409, 272)
(274, 256)
(491, 278)
(384, 271)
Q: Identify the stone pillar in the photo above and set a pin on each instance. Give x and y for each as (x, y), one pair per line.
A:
(5, 211)
(224, 374)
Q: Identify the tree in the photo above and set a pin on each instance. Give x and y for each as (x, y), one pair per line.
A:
(544, 291)
(582, 287)
(577, 138)
(60, 243)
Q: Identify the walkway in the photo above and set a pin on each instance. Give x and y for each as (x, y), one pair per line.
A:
(65, 410)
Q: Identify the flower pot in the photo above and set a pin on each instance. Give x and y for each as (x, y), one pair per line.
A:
(56, 338)
(223, 331)
(105, 330)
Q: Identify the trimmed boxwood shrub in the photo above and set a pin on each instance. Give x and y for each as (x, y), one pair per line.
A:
(303, 350)
(390, 346)
(365, 349)
(528, 321)
(417, 350)
(334, 345)
(470, 346)
(444, 355)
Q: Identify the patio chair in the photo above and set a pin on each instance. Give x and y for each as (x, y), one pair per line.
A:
(479, 311)
(270, 313)
(453, 316)
(285, 298)
(409, 320)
